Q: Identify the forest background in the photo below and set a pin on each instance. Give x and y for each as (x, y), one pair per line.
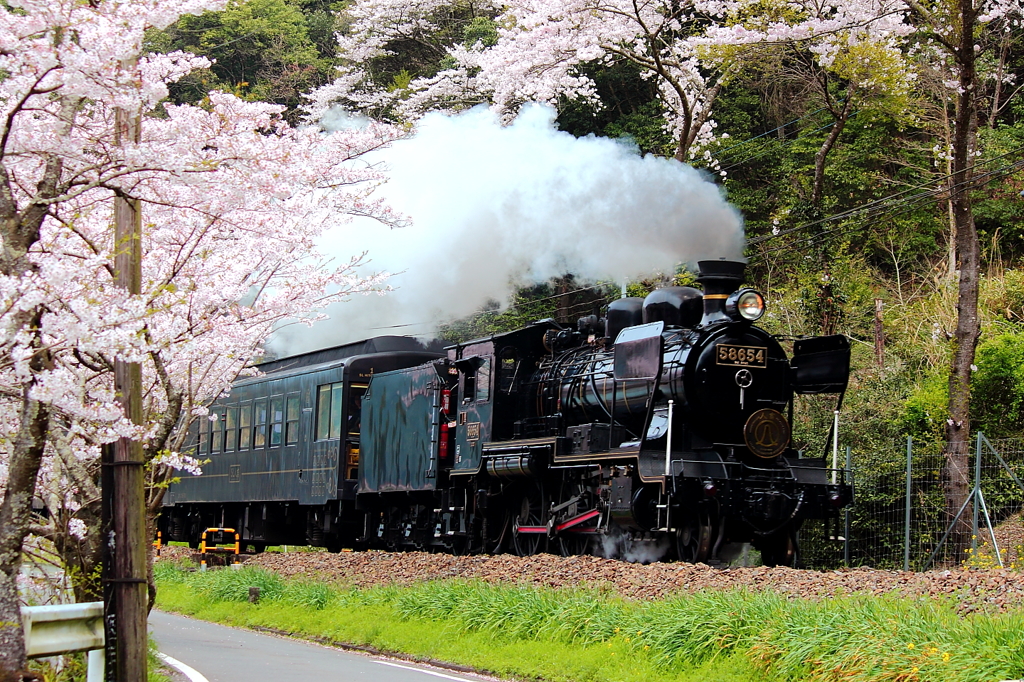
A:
(832, 128)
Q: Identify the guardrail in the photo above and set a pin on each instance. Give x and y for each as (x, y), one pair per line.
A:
(66, 629)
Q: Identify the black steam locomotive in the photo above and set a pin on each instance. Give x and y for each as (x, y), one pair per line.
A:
(661, 429)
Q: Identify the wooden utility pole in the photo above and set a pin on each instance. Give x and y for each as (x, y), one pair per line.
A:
(127, 496)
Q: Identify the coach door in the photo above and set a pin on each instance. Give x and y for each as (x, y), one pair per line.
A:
(328, 429)
(353, 425)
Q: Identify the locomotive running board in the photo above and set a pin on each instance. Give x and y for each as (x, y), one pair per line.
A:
(594, 456)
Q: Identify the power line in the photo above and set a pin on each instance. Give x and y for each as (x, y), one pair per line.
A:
(879, 205)
(904, 207)
(769, 132)
(767, 148)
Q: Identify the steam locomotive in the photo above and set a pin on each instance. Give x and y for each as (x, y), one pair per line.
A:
(661, 429)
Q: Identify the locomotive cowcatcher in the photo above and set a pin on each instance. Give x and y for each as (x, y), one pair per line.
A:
(661, 430)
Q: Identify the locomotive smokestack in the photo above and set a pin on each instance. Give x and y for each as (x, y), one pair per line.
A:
(719, 279)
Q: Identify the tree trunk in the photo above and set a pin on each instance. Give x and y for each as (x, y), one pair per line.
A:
(841, 117)
(15, 513)
(956, 476)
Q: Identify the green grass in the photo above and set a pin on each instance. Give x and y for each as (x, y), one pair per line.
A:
(577, 635)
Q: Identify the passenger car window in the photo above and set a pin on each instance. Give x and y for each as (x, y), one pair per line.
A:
(204, 436)
(216, 431)
(328, 411)
(323, 412)
(276, 420)
(244, 426)
(259, 438)
(291, 429)
(231, 430)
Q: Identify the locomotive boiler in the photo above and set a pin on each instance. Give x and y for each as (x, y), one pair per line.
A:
(662, 429)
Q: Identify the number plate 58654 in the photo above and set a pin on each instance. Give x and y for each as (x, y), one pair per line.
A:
(741, 356)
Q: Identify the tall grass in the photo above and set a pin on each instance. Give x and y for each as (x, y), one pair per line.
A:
(849, 638)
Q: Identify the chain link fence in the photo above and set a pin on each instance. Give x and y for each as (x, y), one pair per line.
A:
(900, 518)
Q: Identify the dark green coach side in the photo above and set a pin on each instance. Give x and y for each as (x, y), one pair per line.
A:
(283, 449)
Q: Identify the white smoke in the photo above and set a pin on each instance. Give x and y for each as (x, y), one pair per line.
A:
(616, 545)
(493, 207)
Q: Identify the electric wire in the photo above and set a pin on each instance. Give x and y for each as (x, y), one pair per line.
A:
(902, 208)
(768, 147)
(879, 205)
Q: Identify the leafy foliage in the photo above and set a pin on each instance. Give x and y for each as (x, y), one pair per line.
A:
(262, 50)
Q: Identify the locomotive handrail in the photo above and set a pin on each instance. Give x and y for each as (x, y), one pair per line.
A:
(774, 473)
(498, 445)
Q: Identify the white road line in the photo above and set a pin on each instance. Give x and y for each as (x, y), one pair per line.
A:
(191, 673)
(424, 670)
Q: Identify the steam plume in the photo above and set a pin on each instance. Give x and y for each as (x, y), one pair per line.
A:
(494, 206)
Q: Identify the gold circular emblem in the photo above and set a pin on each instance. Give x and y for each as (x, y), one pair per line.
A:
(766, 433)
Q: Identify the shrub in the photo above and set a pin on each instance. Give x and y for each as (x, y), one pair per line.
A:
(234, 584)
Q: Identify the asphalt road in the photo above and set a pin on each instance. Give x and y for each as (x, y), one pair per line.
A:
(224, 654)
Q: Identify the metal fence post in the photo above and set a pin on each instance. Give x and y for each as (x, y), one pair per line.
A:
(906, 513)
(846, 513)
(974, 496)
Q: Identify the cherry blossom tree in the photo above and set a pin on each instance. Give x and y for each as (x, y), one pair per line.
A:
(689, 51)
(535, 55)
(543, 44)
(233, 201)
(397, 58)
(956, 34)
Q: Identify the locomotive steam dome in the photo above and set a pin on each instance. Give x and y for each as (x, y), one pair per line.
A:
(675, 306)
(622, 313)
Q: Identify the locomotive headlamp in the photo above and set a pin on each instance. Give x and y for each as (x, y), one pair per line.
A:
(745, 305)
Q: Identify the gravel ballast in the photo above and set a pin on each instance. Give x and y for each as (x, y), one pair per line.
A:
(971, 589)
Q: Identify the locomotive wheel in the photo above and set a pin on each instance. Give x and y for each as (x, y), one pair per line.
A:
(458, 545)
(780, 549)
(573, 544)
(531, 512)
(693, 538)
(497, 538)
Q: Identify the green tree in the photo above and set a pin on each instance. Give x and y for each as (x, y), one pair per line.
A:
(262, 50)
